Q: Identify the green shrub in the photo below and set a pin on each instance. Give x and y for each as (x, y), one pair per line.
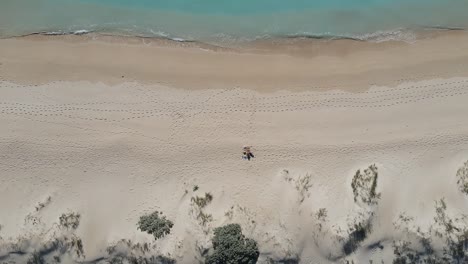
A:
(462, 178)
(155, 224)
(364, 186)
(201, 202)
(70, 220)
(231, 247)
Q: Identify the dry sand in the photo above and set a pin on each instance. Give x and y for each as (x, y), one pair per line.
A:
(113, 148)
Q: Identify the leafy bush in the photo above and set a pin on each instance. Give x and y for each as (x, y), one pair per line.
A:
(364, 185)
(70, 220)
(155, 224)
(231, 247)
(462, 178)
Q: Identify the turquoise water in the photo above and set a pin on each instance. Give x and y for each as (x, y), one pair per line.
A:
(223, 20)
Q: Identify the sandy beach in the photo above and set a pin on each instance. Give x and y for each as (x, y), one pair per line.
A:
(285, 64)
(113, 128)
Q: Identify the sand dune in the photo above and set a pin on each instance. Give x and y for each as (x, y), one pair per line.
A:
(112, 152)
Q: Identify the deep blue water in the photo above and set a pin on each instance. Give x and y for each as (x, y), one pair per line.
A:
(223, 20)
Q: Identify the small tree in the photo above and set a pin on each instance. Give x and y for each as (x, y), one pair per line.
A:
(155, 224)
(231, 247)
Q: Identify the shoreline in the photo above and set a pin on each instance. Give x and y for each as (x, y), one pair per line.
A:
(395, 35)
(310, 64)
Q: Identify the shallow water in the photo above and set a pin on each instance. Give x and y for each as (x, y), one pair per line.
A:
(211, 20)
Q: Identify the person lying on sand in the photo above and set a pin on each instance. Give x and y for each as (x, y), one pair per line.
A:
(247, 153)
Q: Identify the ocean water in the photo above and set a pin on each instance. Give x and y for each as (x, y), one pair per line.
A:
(239, 20)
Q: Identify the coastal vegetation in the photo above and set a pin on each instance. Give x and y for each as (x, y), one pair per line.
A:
(445, 241)
(36, 258)
(198, 205)
(230, 246)
(70, 220)
(156, 224)
(201, 202)
(364, 185)
(462, 178)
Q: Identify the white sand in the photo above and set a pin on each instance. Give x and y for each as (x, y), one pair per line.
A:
(113, 153)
